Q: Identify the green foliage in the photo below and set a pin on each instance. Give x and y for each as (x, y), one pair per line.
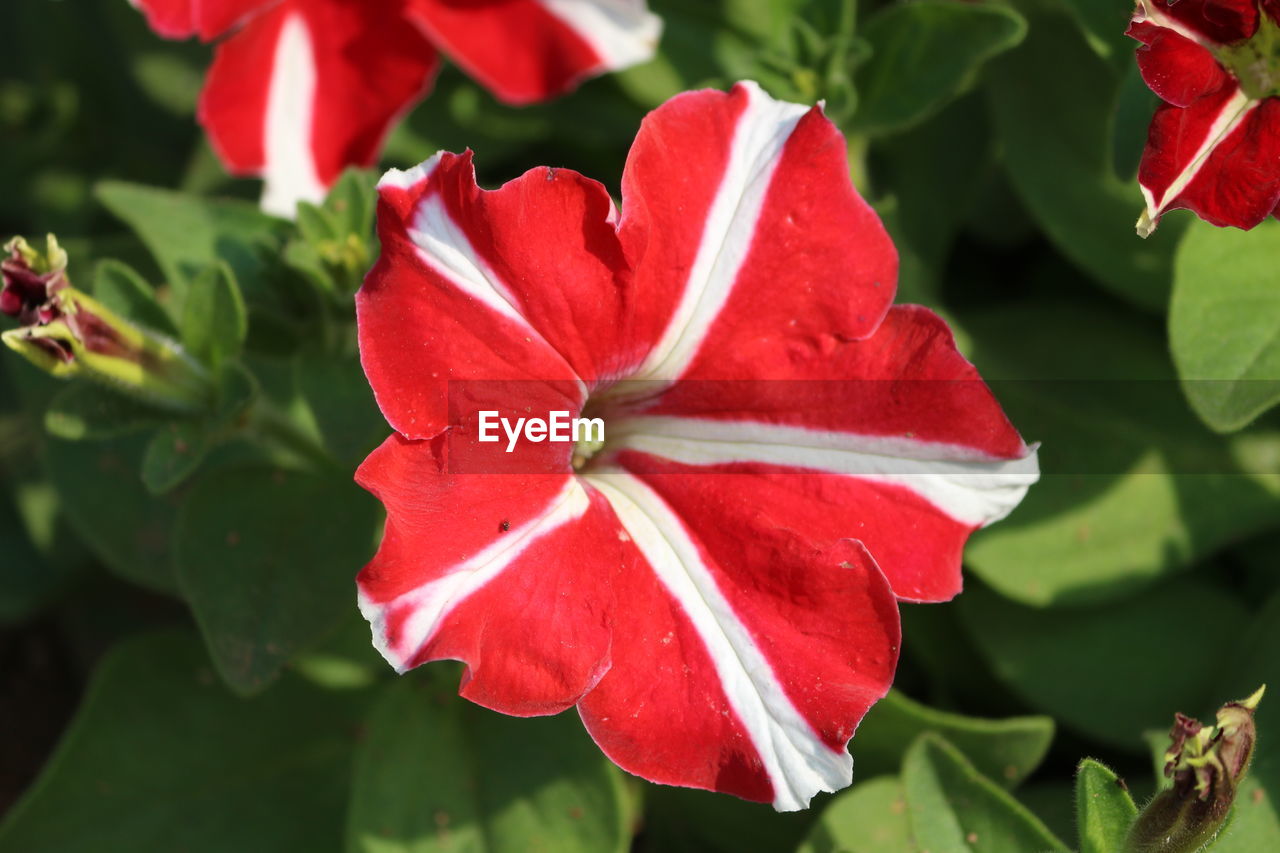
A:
(507, 784)
(1104, 809)
(160, 757)
(1056, 130)
(1004, 750)
(214, 323)
(1224, 322)
(265, 558)
(1080, 663)
(953, 807)
(923, 54)
(871, 818)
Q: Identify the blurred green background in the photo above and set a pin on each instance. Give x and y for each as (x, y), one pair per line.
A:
(181, 663)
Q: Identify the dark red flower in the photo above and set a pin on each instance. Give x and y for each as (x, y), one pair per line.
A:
(714, 585)
(301, 89)
(1214, 144)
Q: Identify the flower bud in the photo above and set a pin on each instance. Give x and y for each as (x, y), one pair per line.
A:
(70, 334)
(1207, 765)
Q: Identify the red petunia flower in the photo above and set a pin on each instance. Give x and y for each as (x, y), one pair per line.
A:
(785, 454)
(1214, 144)
(301, 89)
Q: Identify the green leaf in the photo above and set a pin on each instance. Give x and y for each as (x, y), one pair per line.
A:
(1134, 487)
(318, 224)
(161, 758)
(27, 582)
(266, 559)
(122, 290)
(103, 497)
(1224, 322)
(1110, 671)
(214, 319)
(1006, 750)
(871, 817)
(955, 809)
(923, 54)
(187, 233)
(342, 406)
(353, 199)
(1104, 809)
(87, 411)
(173, 454)
(436, 773)
(1056, 130)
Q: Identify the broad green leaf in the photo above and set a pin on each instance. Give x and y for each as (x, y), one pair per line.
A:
(87, 411)
(214, 319)
(1056, 130)
(436, 773)
(934, 171)
(1107, 671)
(187, 233)
(161, 758)
(1005, 750)
(102, 494)
(955, 809)
(341, 404)
(266, 559)
(1133, 487)
(922, 55)
(26, 582)
(871, 817)
(1104, 809)
(1224, 322)
(118, 287)
(173, 454)
(683, 820)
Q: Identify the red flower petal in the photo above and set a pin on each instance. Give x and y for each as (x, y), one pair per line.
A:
(520, 283)
(740, 663)
(1219, 157)
(509, 574)
(530, 50)
(311, 87)
(180, 19)
(1208, 22)
(748, 232)
(894, 441)
(1176, 68)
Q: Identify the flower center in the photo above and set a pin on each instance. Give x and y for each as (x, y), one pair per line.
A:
(1256, 62)
(590, 439)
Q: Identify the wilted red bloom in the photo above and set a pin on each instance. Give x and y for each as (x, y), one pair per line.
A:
(301, 89)
(785, 454)
(1214, 144)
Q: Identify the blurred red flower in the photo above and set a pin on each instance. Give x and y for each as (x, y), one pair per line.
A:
(301, 89)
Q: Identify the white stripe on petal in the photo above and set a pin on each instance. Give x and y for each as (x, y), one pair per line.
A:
(761, 133)
(961, 482)
(290, 168)
(444, 247)
(1234, 111)
(621, 32)
(434, 600)
(798, 763)
(1149, 13)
